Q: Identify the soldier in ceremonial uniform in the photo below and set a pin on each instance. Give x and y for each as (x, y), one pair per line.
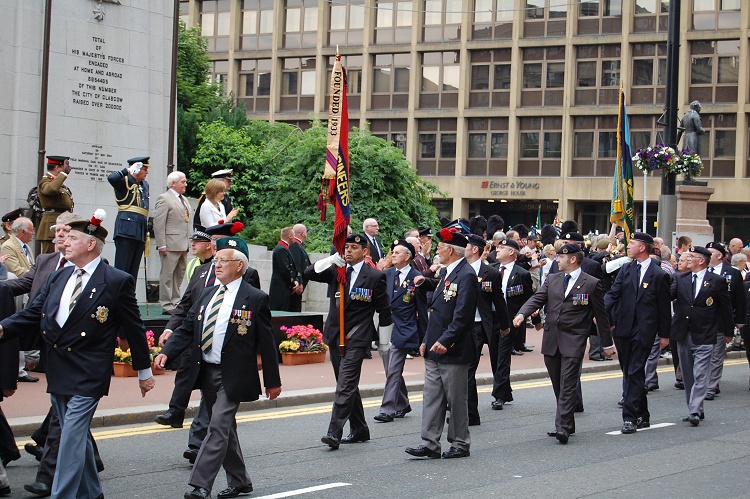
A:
(131, 225)
(55, 198)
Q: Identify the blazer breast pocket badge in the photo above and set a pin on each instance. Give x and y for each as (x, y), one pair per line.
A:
(581, 299)
(361, 294)
(449, 291)
(514, 290)
(102, 313)
(709, 301)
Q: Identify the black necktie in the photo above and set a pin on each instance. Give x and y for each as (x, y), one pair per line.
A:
(502, 272)
(695, 283)
(711, 269)
(637, 275)
(349, 271)
(397, 281)
(566, 281)
(62, 263)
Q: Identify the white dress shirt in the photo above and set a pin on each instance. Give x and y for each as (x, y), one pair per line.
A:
(699, 282)
(644, 267)
(573, 278)
(355, 273)
(63, 310)
(222, 320)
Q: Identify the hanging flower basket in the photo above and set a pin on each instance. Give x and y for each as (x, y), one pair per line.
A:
(666, 159)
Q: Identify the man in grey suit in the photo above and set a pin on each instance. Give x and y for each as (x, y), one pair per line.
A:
(702, 311)
(574, 299)
(228, 331)
(172, 230)
(448, 350)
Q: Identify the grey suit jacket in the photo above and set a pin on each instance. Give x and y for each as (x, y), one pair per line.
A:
(171, 224)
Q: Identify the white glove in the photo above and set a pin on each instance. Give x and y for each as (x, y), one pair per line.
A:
(135, 168)
(613, 265)
(326, 262)
(384, 340)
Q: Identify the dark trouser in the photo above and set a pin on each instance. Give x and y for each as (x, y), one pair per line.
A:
(564, 374)
(502, 346)
(675, 359)
(295, 303)
(199, 426)
(633, 355)
(128, 253)
(8, 448)
(519, 338)
(40, 434)
(182, 386)
(395, 394)
(480, 338)
(347, 403)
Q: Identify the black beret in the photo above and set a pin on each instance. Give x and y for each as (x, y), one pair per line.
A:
(407, 245)
(425, 232)
(476, 240)
(701, 251)
(717, 246)
(642, 237)
(572, 236)
(452, 236)
(12, 215)
(569, 248)
(511, 244)
(358, 239)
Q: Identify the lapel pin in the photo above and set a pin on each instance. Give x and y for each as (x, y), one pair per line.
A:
(93, 290)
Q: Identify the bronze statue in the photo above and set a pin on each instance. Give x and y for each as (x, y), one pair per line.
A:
(691, 122)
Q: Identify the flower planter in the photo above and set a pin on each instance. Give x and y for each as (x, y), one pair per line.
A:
(298, 358)
(123, 370)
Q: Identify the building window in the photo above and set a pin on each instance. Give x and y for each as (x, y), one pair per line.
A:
(716, 15)
(492, 19)
(714, 70)
(215, 23)
(599, 17)
(219, 73)
(440, 75)
(298, 84)
(540, 147)
(347, 23)
(353, 65)
(257, 25)
(390, 81)
(487, 153)
(594, 146)
(490, 78)
(437, 147)
(644, 132)
(597, 75)
(649, 73)
(545, 18)
(718, 144)
(543, 76)
(300, 24)
(255, 84)
(393, 22)
(442, 20)
(651, 16)
(391, 130)
(185, 12)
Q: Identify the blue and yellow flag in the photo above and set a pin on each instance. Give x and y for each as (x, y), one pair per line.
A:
(622, 212)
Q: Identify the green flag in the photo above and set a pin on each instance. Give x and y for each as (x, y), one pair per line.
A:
(622, 212)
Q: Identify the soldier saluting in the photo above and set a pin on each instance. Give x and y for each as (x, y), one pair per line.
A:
(55, 198)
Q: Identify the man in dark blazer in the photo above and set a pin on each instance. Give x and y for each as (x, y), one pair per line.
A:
(88, 296)
(301, 262)
(371, 228)
(516, 285)
(365, 294)
(745, 330)
(448, 350)
(203, 277)
(409, 314)
(285, 280)
(642, 291)
(733, 277)
(491, 317)
(702, 311)
(228, 331)
(8, 382)
(574, 299)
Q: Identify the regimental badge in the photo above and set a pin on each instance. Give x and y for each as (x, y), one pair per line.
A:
(450, 291)
(408, 295)
(405, 284)
(645, 285)
(581, 299)
(709, 301)
(101, 314)
(242, 330)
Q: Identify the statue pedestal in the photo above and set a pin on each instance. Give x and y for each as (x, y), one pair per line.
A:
(692, 201)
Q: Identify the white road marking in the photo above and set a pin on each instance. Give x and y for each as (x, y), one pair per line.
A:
(307, 490)
(652, 427)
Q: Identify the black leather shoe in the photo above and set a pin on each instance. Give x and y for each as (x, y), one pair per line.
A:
(402, 412)
(368, 355)
(516, 352)
(7, 461)
(579, 408)
(170, 419)
(497, 405)
(652, 388)
(694, 419)
(34, 450)
(198, 493)
(422, 451)
(5, 491)
(640, 423)
(353, 439)
(331, 441)
(454, 452)
(235, 491)
(383, 418)
(598, 358)
(190, 455)
(527, 349)
(621, 402)
(679, 385)
(710, 396)
(562, 437)
(39, 489)
(27, 379)
(628, 427)
(475, 422)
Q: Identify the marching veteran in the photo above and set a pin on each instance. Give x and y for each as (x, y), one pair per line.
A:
(55, 198)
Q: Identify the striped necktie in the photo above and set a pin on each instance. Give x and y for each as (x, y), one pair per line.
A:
(76, 290)
(211, 281)
(207, 338)
(62, 263)
(28, 254)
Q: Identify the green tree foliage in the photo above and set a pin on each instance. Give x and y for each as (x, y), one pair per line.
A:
(195, 92)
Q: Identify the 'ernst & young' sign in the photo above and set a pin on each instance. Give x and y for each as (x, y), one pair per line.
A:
(513, 188)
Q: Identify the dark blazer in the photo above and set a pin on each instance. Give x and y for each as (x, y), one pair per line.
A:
(8, 349)
(373, 251)
(283, 275)
(301, 260)
(79, 354)
(736, 292)
(452, 313)
(519, 290)
(567, 326)
(239, 372)
(128, 224)
(490, 286)
(706, 315)
(745, 330)
(359, 327)
(194, 289)
(408, 309)
(644, 308)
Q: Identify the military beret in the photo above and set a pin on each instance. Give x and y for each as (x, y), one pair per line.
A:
(358, 239)
(235, 243)
(510, 243)
(12, 215)
(225, 229)
(566, 249)
(476, 240)
(458, 225)
(200, 234)
(56, 160)
(717, 246)
(700, 250)
(92, 227)
(572, 236)
(642, 237)
(453, 237)
(139, 159)
(425, 232)
(407, 245)
(229, 173)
